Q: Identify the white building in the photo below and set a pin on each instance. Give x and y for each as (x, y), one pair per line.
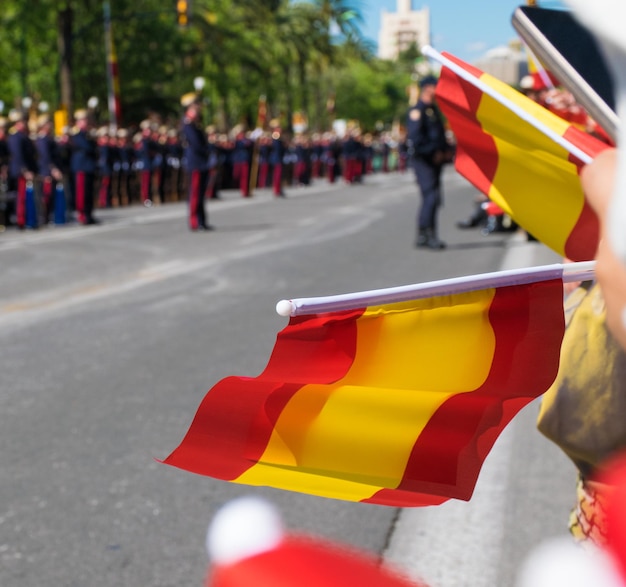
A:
(399, 30)
(508, 64)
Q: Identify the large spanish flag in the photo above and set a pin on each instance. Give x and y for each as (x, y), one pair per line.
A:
(503, 152)
(394, 403)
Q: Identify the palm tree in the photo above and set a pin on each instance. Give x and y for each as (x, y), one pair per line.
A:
(345, 14)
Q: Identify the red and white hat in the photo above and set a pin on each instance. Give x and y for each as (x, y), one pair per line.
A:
(248, 547)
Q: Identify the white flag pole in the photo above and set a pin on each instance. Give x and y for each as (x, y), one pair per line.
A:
(569, 272)
(512, 106)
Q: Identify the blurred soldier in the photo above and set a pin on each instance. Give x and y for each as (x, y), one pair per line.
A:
(64, 148)
(84, 163)
(144, 156)
(48, 165)
(302, 165)
(349, 155)
(159, 163)
(216, 158)
(265, 147)
(173, 160)
(317, 151)
(105, 168)
(114, 162)
(330, 156)
(276, 161)
(241, 162)
(22, 164)
(368, 154)
(124, 167)
(196, 162)
(385, 152)
(429, 149)
(4, 174)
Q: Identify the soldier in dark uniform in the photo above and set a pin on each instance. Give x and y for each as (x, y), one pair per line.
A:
(265, 146)
(241, 162)
(316, 155)
(123, 167)
(84, 162)
(330, 156)
(48, 165)
(173, 160)
(429, 149)
(4, 174)
(145, 151)
(277, 153)
(64, 149)
(349, 156)
(196, 162)
(105, 168)
(22, 165)
(159, 163)
(216, 159)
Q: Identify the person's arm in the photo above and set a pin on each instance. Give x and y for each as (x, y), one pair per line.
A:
(598, 180)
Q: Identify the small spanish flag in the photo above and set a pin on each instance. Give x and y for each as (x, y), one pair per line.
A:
(394, 403)
(502, 152)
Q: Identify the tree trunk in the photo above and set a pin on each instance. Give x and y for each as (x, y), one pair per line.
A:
(304, 87)
(64, 39)
(288, 96)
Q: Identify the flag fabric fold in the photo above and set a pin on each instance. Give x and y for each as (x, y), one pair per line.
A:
(530, 176)
(395, 404)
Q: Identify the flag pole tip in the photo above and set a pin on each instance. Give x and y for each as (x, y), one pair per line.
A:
(284, 308)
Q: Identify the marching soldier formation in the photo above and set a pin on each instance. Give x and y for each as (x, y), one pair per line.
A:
(48, 179)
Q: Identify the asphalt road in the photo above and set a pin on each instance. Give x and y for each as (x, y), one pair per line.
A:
(110, 336)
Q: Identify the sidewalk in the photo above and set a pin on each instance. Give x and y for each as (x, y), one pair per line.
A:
(464, 544)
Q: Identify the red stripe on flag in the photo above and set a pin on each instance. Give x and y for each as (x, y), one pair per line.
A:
(584, 238)
(236, 418)
(447, 457)
(477, 154)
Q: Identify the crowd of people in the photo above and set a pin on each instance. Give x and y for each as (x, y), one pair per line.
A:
(48, 177)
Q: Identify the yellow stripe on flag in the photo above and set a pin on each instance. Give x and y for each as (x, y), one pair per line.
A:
(451, 354)
(546, 172)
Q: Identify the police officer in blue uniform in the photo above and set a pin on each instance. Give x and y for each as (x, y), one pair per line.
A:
(429, 149)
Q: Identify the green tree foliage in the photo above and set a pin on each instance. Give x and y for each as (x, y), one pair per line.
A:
(297, 53)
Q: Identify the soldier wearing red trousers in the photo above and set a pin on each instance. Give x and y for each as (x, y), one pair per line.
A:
(241, 162)
(48, 165)
(22, 164)
(277, 153)
(83, 163)
(195, 162)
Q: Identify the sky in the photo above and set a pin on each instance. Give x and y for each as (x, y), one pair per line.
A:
(465, 28)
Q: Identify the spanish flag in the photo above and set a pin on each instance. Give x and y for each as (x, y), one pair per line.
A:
(394, 403)
(504, 151)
